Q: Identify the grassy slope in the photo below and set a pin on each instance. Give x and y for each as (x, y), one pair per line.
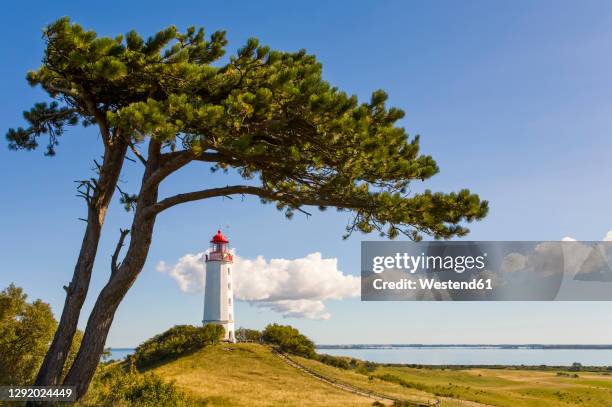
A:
(250, 375)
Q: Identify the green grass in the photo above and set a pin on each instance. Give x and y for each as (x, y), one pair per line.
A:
(511, 387)
(251, 375)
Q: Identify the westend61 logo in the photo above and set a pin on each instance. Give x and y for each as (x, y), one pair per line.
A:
(486, 271)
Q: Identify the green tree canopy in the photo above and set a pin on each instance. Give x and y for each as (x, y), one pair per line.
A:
(267, 114)
(26, 330)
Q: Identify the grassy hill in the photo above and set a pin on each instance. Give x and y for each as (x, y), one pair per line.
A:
(251, 375)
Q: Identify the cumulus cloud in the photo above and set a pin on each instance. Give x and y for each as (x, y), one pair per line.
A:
(513, 262)
(294, 288)
(583, 261)
(188, 272)
(310, 309)
(606, 238)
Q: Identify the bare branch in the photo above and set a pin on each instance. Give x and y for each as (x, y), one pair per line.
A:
(87, 190)
(114, 265)
(137, 153)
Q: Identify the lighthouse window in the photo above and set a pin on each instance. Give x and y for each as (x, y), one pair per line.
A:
(229, 301)
(228, 271)
(229, 286)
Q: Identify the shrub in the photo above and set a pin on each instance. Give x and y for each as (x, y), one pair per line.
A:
(563, 374)
(248, 335)
(335, 361)
(174, 342)
(404, 383)
(289, 339)
(366, 367)
(116, 387)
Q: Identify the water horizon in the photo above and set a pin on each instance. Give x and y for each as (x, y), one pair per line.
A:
(465, 355)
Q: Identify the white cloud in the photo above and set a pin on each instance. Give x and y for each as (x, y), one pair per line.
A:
(513, 262)
(310, 309)
(581, 258)
(188, 272)
(606, 238)
(294, 288)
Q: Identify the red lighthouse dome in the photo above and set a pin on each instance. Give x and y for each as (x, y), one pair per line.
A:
(219, 238)
(219, 250)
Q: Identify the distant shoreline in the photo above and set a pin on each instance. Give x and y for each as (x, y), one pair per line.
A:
(425, 346)
(472, 346)
(529, 356)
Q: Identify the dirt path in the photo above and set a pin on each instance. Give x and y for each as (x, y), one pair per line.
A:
(347, 387)
(467, 403)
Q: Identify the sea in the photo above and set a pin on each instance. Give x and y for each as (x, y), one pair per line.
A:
(459, 355)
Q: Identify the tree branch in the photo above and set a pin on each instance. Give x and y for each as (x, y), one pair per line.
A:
(65, 91)
(284, 197)
(100, 119)
(137, 153)
(114, 265)
(171, 162)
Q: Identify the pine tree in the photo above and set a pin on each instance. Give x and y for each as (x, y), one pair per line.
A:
(297, 141)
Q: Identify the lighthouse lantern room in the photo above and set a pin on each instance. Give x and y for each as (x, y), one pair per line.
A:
(219, 292)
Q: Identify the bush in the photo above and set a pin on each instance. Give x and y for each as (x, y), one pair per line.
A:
(366, 367)
(116, 387)
(563, 374)
(174, 342)
(404, 383)
(335, 361)
(248, 335)
(289, 339)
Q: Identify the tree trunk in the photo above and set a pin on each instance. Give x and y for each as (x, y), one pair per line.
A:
(101, 317)
(51, 369)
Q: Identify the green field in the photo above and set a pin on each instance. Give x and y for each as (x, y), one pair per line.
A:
(251, 375)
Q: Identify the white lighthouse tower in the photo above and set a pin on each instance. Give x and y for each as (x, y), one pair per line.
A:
(219, 292)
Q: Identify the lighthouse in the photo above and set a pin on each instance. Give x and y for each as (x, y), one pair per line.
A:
(219, 292)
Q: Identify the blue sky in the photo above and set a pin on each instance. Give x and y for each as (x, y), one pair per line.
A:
(513, 100)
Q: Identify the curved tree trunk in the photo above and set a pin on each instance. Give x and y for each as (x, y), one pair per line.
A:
(53, 364)
(122, 278)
